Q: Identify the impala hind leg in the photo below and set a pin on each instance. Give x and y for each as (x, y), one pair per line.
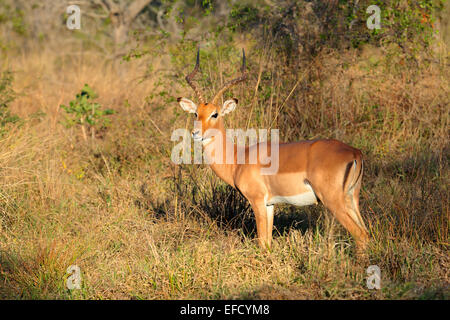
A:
(362, 236)
(353, 202)
(345, 213)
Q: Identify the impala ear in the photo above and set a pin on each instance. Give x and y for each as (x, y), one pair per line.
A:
(228, 106)
(187, 105)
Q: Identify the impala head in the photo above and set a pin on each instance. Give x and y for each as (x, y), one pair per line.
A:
(209, 114)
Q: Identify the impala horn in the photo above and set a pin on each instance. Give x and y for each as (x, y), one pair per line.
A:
(190, 76)
(233, 82)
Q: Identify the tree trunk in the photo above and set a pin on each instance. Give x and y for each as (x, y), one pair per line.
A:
(122, 17)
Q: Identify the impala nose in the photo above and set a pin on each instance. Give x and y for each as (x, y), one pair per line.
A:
(196, 134)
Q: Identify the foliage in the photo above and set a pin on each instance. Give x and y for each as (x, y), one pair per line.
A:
(310, 26)
(82, 111)
(14, 16)
(7, 95)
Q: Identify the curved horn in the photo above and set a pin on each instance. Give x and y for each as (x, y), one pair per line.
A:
(190, 76)
(233, 82)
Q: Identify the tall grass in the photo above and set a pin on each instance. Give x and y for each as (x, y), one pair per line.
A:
(140, 227)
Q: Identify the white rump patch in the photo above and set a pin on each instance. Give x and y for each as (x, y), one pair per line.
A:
(302, 199)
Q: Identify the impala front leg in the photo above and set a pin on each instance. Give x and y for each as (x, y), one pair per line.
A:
(264, 222)
(270, 211)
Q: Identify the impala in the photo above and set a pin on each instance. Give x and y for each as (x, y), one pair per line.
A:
(309, 171)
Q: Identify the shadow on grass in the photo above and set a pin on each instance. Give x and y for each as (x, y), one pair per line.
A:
(13, 271)
(230, 210)
(418, 188)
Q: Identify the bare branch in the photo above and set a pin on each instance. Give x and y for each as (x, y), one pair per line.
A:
(134, 9)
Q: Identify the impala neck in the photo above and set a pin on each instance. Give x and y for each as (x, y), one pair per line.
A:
(223, 170)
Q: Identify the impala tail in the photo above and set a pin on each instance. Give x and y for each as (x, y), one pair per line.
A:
(352, 175)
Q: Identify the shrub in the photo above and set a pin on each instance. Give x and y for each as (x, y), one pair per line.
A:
(85, 113)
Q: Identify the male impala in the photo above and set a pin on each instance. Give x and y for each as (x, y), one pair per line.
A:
(325, 170)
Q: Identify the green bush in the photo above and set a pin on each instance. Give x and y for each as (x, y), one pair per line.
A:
(85, 113)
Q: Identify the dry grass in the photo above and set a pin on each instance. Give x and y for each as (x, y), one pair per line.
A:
(141, 228)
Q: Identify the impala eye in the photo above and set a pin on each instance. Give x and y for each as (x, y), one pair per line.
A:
(215, 115)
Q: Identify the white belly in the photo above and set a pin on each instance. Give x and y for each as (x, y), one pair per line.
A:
(302, 199)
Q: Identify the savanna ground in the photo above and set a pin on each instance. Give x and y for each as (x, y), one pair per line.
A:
(106, 196)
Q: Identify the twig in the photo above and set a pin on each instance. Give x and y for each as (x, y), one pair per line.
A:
(287, 98)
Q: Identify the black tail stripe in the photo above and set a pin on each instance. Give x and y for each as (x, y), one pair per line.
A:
(346, 174)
